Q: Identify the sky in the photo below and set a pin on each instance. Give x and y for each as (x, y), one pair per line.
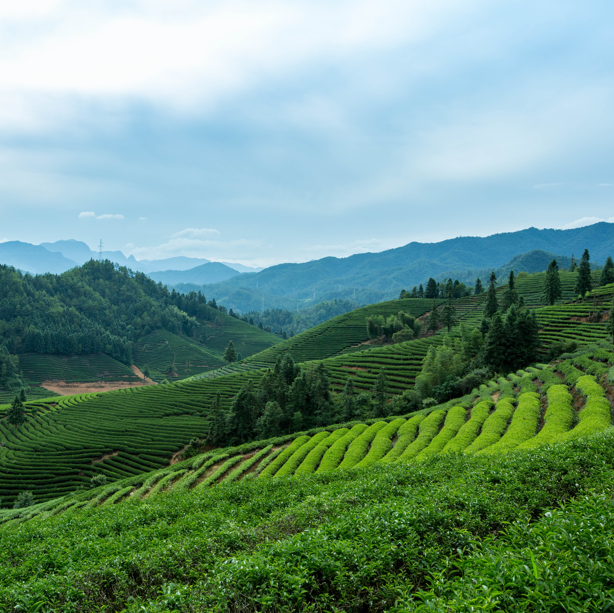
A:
(277, 131)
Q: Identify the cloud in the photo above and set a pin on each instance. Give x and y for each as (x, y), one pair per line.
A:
(110, 217)
(196, 233)
(86, 214)
(585, 221)
(194, 248)
(142, 218)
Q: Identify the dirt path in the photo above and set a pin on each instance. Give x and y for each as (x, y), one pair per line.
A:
(137, 371)
(65, 389)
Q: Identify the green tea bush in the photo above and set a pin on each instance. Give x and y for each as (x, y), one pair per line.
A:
(470, 429)
(359, 447)
(455, 419)
(296, 459)
(559, 417)
(312, 461)
(523, 425)
(335, 453)
(428, 429)
(406, 435)
(382, 443)
(280, 460)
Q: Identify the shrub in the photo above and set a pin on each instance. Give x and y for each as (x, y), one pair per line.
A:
(470, 429)
(455, 419)
(24, 500)
(493, 428)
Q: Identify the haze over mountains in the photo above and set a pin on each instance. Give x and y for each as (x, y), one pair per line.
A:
(363, 278)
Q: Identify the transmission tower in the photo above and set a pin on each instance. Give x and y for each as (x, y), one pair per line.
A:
(100, 251)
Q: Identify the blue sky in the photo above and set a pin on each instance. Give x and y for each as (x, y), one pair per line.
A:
(269, 131)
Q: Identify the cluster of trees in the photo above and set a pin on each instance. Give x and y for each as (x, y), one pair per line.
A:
(9, 370)
(97, 308)
(400, 327)
(289, 399)
(443, 289)
(283, 321)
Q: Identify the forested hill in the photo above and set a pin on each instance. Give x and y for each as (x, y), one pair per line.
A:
(372, 277)
(96, 308)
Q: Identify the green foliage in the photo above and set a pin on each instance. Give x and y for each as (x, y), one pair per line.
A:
(427, 430)
(492, 305)
(455, 419)
(382, 443)
(406, 435)
(358, 448)
(523, 426)
(559, 417)
(312, 461)
(98, 481)
(552, 284)
(584, 282)
(230, 355)
(24, 500)
(17, 413)
(607, 273)
(469, 430)
(281, 459)
(334, 455)
(493, 428)
(296, 459)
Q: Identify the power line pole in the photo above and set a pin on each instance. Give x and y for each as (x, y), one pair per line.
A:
(100, 251)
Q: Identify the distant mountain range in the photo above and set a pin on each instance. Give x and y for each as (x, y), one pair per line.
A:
(363, 278)
(63, 255)
(372, 277)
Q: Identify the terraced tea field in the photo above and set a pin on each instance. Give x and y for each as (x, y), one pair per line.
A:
(341, 333)
(527, 409)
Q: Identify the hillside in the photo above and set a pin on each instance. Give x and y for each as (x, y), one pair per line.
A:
(212, 272)
(381, 275)
(100, 309)
(358, 516)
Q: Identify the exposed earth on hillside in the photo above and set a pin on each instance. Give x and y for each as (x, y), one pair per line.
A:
(89, 387)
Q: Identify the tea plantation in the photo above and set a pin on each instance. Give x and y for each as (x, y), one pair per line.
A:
(497, 501)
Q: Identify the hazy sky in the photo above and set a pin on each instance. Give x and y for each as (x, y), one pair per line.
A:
(288, 130)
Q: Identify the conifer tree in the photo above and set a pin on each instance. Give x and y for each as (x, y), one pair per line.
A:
(349, 401)
(492, 306)
(420, 291)
(230, 354)
(609, 324)
(17, 414)
(511, 295)
(433, 322)
(269, 424)
(573, 266)
(495, 346)
(380, 394)
(448, 315)
(607, 274)
(243, 413)
(584, 282)
(552, 285)
(217, 429)
(478, 289)
(432, 290)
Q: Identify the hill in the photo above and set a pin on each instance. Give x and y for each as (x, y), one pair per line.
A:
(212, 272)
(381, 275)
(100, 308)
(358, 516)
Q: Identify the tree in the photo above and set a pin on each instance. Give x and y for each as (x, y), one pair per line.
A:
(380, 394)
(22, 395)
(511, 295)
(433, 322)
(244, 413)
(420, 291)
(24, 500)
(584, 281)
(217, 421)
(269, 424)
(573, 266)
(348, 400)
(478, 289)
(552, 284)
(495, 347)
(230, 354)
(17, 414)
(607, 274)
(448, 315)
(431, 289)
(492, 306)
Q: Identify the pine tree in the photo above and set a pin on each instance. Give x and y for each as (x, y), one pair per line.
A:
(243, 413)
(433, 322)
(478, 289)
(552, 285)
(526, 338)
(573, 266)
(495, 346)
(511, 295)
(448, 315)
(420, 291)
(380, 394)
(607, 274)
(22, 395)
(492, 306)
(431, 289)
(609, 324)
(230, 354)
(584, 282)
(269, 424)
(349, 401)
(17, 414)
(217, 420)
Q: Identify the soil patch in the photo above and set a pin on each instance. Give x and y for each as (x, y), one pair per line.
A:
(104, 457)
(495, 397)
(66, 389)
(137, 371)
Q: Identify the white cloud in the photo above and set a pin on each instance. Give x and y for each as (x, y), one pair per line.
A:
(86, 214)
(4, 240)
(142, 218)
(196, 233)
(110, 217)
(585, 221)
(194, 248)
